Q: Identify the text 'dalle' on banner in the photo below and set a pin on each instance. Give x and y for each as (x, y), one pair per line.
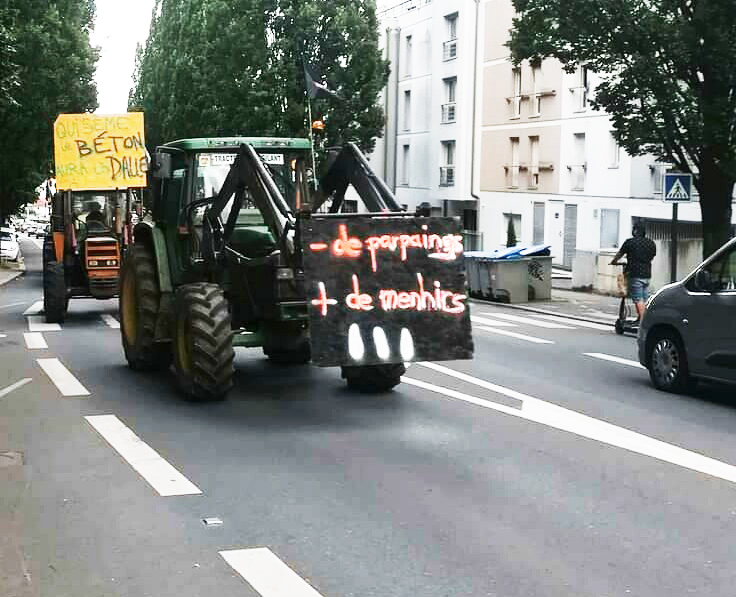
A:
(100, 151)
(385, 289)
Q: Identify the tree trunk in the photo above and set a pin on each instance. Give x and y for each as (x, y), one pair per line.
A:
(716, 190)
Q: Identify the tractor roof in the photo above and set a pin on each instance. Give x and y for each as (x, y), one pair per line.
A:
(214, 143)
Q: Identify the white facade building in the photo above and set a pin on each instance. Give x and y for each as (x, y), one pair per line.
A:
(548, 162)
(426, 152)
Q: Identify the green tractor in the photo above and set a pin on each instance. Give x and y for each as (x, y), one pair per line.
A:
(218, 265)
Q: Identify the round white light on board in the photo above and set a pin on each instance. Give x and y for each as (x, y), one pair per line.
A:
(406, 345)
(356, 349)
(381, 342)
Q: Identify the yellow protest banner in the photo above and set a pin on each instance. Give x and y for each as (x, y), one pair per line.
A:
(100, 151)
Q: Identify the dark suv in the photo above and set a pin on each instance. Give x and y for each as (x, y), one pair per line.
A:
(689, 329)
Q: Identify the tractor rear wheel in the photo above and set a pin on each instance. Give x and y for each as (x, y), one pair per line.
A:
(139, 306)
(55, 300)
(373, 378)
(203, 340)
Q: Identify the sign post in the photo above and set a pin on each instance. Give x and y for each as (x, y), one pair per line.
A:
(677, 189)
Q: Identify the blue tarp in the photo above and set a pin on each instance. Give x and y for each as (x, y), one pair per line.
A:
(512, 252)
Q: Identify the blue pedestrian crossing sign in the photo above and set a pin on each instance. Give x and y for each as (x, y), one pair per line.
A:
(677, 187)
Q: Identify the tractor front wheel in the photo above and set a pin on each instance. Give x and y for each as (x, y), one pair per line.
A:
(203, 339)
(139, 306)
(373, 378)
(55, 299)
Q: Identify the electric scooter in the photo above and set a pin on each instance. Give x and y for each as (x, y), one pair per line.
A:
(628, 320)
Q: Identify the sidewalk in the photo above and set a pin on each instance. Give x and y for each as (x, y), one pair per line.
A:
(11, 272)
(568, 303)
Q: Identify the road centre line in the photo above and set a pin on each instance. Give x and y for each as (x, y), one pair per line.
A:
(267, 574)
(529, 321)
(110, 321)
(516, 335)
(63, 379)
(576, 322)
(14, 386)
(37, 323)
(564, 419)
(34, 309)
(34, 340)
(149, 464)
(493, 322)
(613, 359)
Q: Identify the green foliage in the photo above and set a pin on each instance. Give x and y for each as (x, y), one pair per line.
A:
(510, 233)
(668, 80)
(46, 67)
(227, 67)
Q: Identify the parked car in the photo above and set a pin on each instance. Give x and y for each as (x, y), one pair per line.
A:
(689, 329)
(9, 248)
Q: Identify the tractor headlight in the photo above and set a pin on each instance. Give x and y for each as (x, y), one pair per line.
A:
(284, 273)
(112, 262)
(92, 262)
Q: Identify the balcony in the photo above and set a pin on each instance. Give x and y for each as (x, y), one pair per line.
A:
(577, 176)
(449, 50)
(448, 113)
(447, 176)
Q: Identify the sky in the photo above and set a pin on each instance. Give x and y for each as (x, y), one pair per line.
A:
(119, 26)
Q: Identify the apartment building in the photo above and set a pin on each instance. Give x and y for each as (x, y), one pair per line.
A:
(426, 153)
(549, 163)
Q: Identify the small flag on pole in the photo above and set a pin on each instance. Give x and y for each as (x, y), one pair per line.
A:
(315, 88)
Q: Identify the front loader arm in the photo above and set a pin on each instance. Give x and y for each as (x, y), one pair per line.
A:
(351, 167)
(246, 172)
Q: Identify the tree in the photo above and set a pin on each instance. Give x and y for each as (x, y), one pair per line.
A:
(50, 70)
(668, 81)
(510, 232)
(234, 67)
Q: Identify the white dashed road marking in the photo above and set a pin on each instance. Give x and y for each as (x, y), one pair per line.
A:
(38, 243)
(524, 337)
(63, 379)
(564, 419)
(37, 323)
(492, 322)
(14, 386)
(163, 477)
(9, 305)
(110, 321)
(34, 309)
(35, 340)
(267, 574)
(535, 322)
(576, 322)
(613, 359)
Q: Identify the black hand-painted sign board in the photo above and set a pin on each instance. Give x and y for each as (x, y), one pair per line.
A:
(385, 289)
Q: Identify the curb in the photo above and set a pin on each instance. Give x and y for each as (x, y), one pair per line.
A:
(544, 312)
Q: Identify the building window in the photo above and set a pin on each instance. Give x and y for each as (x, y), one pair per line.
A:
(449, 47)
(658, 170)
(615, 152)
(407, 56)
(580, 89)
(516, 93)
(514, 166)
(447, 170)
(534, 162)
(578, 166)
(512, 221)
(609, 228)
(536, 97)
(407, 110)
(448, 108)
(404, 179)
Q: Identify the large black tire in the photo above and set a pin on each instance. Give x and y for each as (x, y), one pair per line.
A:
(48, 254)
(667, 363)
(203, 341)
(55, 299)
(373, 378)
(139, 305)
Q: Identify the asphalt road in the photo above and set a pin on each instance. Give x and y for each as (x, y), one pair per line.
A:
(534, 470)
